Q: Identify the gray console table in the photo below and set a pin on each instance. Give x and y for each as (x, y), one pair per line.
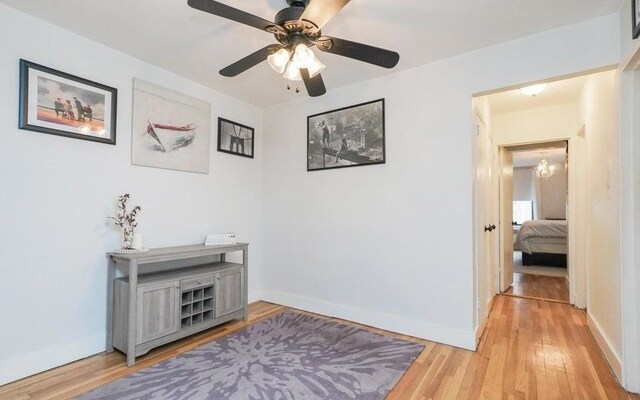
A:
(173, 292)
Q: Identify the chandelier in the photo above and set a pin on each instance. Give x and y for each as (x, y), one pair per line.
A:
(544, 170)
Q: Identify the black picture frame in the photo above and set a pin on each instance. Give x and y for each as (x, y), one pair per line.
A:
(635, 9)
(221, 147)
(107, 136)
(332, 153)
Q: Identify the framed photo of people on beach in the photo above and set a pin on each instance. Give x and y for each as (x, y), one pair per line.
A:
(347, 137)
(61, 104)
(235, 138)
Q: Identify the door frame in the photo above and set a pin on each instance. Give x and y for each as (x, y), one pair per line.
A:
(629, 87)
(501, 227)
(577, 272)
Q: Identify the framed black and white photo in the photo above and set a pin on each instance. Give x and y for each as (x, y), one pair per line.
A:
(235, 138)
(61, 104)
(635, 11)
(347, 137)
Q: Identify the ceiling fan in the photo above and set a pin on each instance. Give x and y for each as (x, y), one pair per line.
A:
(297, 28)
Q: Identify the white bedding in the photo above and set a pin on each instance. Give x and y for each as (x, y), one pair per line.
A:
(542, 236)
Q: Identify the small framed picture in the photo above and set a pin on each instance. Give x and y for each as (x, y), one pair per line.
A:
(348, 137)
(635, 11)
(61, 104)
(235, 138)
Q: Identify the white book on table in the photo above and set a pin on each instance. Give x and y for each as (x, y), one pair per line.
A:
(220, 238)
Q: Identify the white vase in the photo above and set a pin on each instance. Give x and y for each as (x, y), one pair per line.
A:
(127, 237)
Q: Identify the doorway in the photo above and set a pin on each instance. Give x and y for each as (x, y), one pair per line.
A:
(534, 189)
(546, 120)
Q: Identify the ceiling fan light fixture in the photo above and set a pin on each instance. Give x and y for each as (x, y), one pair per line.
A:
(292, 72)
(303, 56)
(315, 67)
(278, 60)
(534, 90)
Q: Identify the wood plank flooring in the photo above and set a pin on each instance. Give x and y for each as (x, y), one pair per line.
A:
(530, 350)
(539, 286)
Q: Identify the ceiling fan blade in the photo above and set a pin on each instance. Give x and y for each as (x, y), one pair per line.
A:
(358, 51)
(249, 61)
(315, 86)
(225, 11)
(319, 12)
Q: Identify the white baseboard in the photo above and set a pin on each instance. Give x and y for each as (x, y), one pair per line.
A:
(612, 357)
(254, 295)
(389, 322)
(13, 369)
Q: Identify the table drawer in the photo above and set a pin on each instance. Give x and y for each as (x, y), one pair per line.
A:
(198, 281)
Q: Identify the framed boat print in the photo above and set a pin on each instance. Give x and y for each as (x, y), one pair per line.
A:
(171, 130)
(347, 137)
(235, 138)
(58, 103)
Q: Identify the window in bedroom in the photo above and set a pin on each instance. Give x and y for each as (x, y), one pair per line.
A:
(522, 211)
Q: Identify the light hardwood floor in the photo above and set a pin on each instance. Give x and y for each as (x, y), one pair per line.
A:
(530, 350)
(539, 286)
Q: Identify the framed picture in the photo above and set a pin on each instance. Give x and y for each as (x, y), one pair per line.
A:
(171, 130)
(235, 138)
(635, 12)
(347, 137)
(61, 104)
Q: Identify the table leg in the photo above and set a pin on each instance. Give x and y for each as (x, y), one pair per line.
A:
(111, 275)
(133, 304)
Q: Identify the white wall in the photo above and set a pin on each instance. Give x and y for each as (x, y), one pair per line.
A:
(553, 194)
(391, 245)
(628, 46)
(57, 193)
(600, 109)
(630, 198)
(545, 124)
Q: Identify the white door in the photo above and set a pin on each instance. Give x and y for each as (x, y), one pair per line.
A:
(506, 218)
(484, 219)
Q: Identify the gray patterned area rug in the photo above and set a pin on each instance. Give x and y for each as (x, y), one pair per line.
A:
(288, 356)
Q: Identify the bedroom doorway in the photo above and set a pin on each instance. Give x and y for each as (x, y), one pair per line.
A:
(534, 193)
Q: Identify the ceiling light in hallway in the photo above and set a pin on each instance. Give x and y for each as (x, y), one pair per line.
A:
(534, 90)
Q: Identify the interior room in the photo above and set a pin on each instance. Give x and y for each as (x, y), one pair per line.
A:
(540, 193)
(182, 217)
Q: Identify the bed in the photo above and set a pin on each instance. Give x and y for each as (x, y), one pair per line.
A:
(543, 242)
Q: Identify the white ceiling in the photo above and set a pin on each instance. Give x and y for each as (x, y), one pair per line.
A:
(196, 45)
(558, 92)
(530, 158)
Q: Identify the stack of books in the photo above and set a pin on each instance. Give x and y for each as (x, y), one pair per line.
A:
(216, 239)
